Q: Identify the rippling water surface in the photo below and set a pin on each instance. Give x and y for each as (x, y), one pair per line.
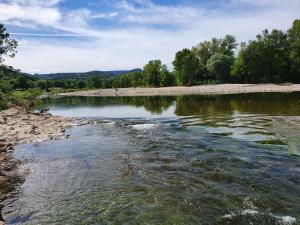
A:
(232, 159)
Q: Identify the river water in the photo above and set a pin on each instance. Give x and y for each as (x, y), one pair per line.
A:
(205, 160)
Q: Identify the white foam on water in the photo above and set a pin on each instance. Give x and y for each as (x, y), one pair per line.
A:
(249, 211)
(146, 126)
(283, 220)
(286, 220)
(244, 213)
(110, 123)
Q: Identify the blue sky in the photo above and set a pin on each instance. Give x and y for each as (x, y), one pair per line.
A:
(84, 35)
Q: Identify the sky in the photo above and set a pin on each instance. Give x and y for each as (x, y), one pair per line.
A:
(85, 35)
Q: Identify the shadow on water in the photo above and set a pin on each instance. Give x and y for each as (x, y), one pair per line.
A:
(208, 160)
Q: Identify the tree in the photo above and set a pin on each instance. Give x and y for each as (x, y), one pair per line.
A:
(219, 66)
(205, 50)
(265, 59)
(152, 72)
(42, 84)
(294, 41)
(167, 78)
(7, 45)
(137, 79)
(188, 69)
(81, 84)
(92, 82)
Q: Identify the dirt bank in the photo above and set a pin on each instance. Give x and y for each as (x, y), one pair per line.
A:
(19, 126)
(194, 90)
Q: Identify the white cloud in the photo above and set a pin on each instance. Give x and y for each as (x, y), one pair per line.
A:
(104, 15)
(34, 13)
(34, 2)
(140, 39)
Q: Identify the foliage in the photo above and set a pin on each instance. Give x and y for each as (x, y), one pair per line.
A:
(152, 72)
(29, 94)
(7, 45)
(205, 50)
(188, 69)
(265, 59)
(167, 78)
(16, 88)
(4, 101)
(294, 54)
(154, 75)
(218, 66)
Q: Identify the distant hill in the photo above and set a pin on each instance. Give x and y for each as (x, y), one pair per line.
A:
(84, 75)
(8, 72)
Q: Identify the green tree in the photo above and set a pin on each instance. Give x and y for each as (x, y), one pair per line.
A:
(7, 45)
(93, 82)
(219, 66)
(152, 72)
(167, 78)
(265, 59)
(294, 41)
(81, 84)
(205, 50)
(137, 79)
(188, 69)
(42, 84)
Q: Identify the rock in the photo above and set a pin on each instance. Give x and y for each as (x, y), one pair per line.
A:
(1, 218)
(2, 121)
(2, 174)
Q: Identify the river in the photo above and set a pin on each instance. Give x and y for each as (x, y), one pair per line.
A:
(205, 160)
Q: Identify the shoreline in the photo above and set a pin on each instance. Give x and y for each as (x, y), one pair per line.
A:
(193, 90)
(18, 126)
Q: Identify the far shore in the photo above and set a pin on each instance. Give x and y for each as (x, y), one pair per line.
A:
(193, 90)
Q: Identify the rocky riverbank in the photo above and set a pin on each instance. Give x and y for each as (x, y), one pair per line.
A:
(20, 126)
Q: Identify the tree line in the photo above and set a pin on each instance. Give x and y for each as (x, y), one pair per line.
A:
(274, 56)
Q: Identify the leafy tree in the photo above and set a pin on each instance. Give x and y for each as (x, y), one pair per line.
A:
(188, 69)
(167, 78)
(152, 72)
(81, 84)
(219, 66)
(265, 59)
(93, 82)
(42, 84)
(7, 45)
(294, 40)
(205, 50)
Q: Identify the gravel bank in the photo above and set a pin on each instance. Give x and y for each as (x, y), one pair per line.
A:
(194, 90)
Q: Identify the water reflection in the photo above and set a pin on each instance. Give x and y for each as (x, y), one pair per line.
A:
(264, 103)
(266, 118)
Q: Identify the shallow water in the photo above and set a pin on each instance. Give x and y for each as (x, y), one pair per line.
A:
(232, 159)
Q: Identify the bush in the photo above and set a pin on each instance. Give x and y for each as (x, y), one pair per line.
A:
(25, 98)
(3, 101)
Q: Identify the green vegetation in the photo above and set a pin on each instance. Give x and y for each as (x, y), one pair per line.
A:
(17, 88)
(272, 57)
